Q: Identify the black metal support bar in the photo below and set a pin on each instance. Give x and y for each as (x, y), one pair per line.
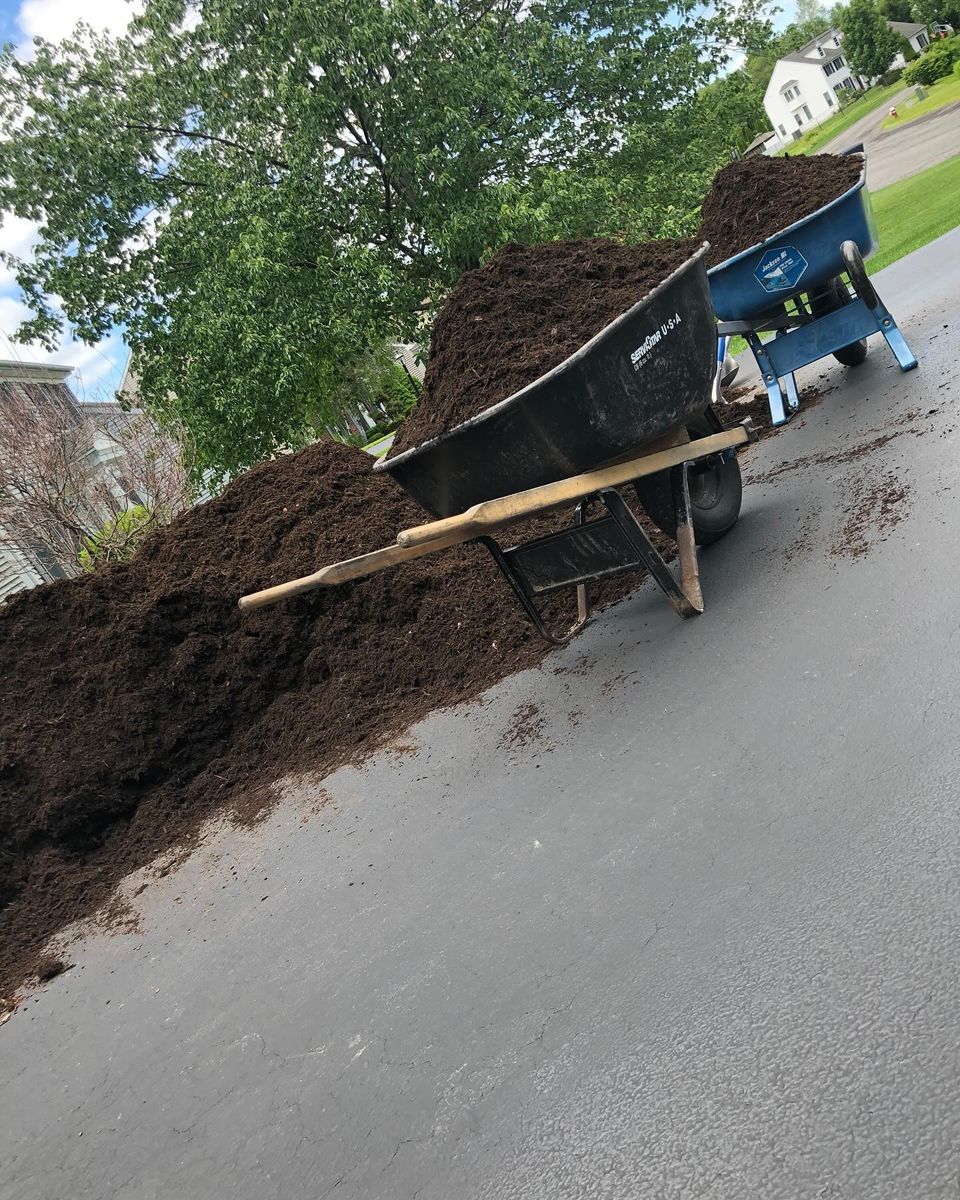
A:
(520, 590)
(592, 550)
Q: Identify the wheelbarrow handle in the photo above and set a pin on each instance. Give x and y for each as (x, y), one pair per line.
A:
(347, 569)
(507, 509)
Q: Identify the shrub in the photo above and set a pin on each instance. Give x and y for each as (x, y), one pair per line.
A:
(933, 64)
(117, 539)
(889, 77)
(397, 393)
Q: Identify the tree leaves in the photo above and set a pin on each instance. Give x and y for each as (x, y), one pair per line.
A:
(259, 193)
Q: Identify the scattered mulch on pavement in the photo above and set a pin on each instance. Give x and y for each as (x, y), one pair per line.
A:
(754, 198)
(526, 726)
(828, 458)
(49, 966)
(523, 313)
(878, 509)
(139, 700)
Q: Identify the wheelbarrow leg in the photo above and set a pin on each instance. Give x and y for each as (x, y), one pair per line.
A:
(784, 402)
(863, 285)
(686, 597)
(686, 542)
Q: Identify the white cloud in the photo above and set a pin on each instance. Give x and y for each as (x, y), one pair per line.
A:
(97, 369)
(17, 235)
(56, 19)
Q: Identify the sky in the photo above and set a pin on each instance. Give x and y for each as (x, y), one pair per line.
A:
(97, 369)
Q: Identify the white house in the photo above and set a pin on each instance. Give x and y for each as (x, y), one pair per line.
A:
(805, 87)
(23, 564)
(917, 35)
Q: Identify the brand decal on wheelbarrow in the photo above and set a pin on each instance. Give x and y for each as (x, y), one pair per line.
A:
(781, 269)
(639, 356)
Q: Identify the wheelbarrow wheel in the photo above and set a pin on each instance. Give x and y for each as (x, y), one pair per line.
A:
(716, 493)
(835, 296)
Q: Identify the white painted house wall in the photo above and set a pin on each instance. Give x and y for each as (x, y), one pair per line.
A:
(805, 87)
(917, 35)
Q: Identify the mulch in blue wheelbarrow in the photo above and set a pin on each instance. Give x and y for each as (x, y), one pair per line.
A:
(754, 198)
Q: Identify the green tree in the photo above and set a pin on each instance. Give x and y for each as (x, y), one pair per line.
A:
(896, 10)
(869, 44)
(929, 11)
(256, 193)
(812, 12)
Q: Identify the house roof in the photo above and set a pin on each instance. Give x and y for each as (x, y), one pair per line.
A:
(907, 29)
(760, 140)
(14, 371)
(794, 55)
(797, 56)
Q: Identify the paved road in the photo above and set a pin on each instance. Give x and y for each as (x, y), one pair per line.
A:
(696, 938)
(867, 127)
(894, 154)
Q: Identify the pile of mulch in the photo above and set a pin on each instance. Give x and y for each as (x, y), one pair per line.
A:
(754, 198)
(139, 700)
(523, 313)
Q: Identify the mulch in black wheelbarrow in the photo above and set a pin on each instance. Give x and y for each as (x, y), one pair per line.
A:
(523, 313)
(754, 198)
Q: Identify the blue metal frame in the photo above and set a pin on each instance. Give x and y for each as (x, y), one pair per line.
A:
(816, 338)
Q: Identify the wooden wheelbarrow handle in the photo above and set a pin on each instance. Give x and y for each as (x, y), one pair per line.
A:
(349, 568)
(453, 531)
(489, 514)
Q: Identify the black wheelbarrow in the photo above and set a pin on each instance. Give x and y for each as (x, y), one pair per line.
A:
(630, 408)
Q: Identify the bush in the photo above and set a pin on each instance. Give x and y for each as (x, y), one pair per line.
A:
(397, 393)
(933, 64)
(956, 67)
(117, 539)
(889, 77)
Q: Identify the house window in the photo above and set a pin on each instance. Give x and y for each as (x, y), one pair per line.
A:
(828, 96)
(783, 132)
(809, 114)
(833, 65)
(921, 40)
(799, 118)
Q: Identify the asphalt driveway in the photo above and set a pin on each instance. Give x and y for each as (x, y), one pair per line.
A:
(693, 934)
(894, 154)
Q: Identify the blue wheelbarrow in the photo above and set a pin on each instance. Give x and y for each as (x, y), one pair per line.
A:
(792, 285)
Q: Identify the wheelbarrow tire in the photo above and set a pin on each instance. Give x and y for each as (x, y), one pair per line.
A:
(716, 494)
(834, 296)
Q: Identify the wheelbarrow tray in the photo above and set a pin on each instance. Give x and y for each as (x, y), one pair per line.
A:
(801, 257)
(649, 371)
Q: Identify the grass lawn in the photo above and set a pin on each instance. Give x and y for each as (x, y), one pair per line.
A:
(944, 91)
(915, 211)
(815, 138)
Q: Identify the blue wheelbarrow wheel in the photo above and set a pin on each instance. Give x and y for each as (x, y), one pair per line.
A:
(832, 297)
(716, 493)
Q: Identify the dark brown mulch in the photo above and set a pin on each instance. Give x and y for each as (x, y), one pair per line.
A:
(754, 198)
(138, 701)
(523, 313)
